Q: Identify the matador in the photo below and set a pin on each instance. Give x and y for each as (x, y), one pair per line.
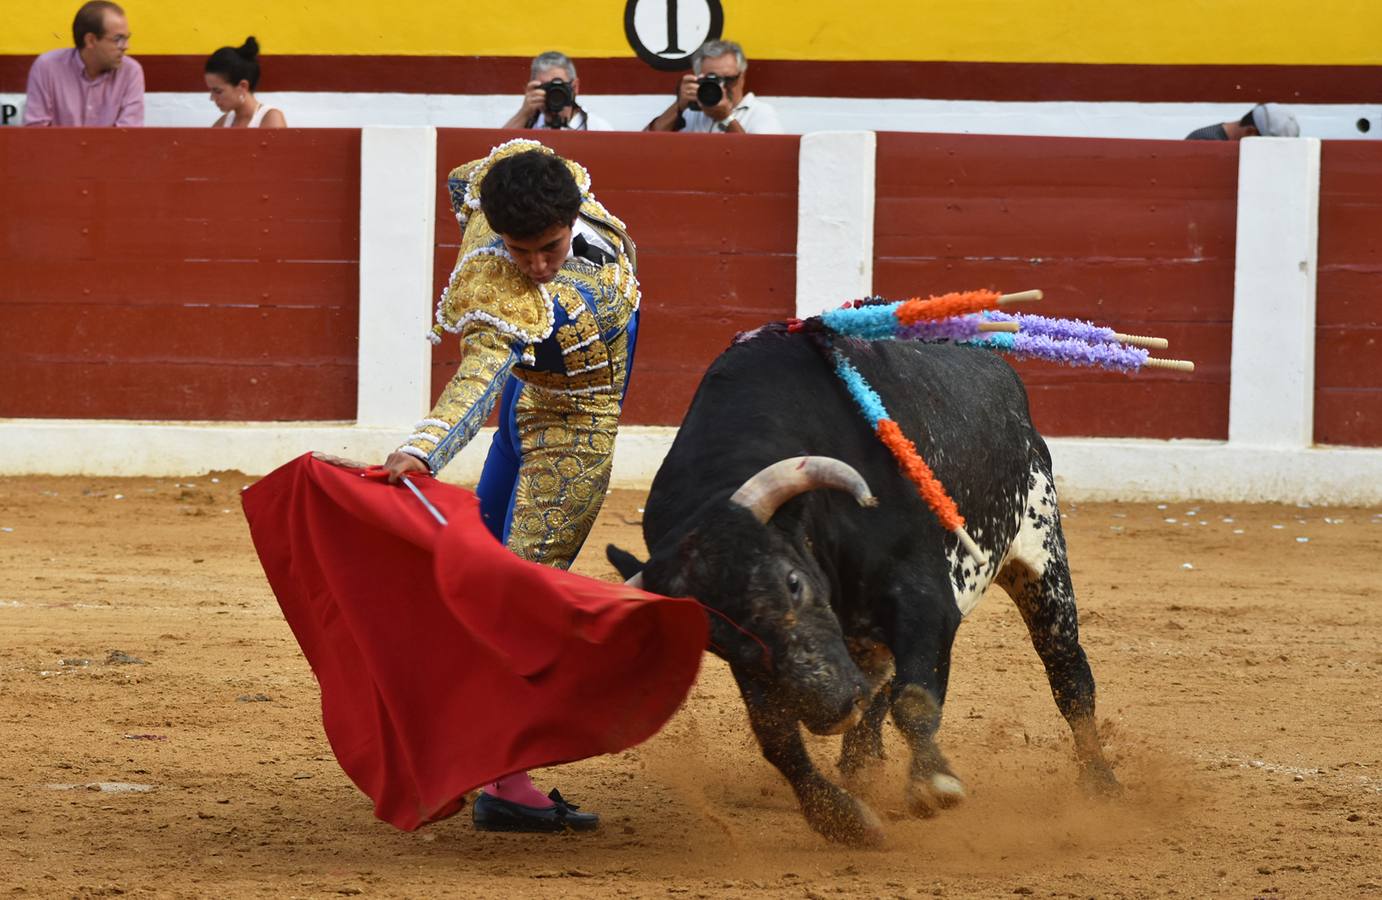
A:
(545, 300)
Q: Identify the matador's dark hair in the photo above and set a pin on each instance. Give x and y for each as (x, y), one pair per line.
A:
(527, 193)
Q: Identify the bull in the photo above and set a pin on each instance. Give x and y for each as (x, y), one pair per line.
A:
(833, 610)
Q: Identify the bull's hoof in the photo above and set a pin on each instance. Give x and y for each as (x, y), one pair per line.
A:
(862, 830)
(846, 820)
(929, 795)
(1099, 781)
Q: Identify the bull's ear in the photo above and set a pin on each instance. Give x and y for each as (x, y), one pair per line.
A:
(672, 568)
(624, 562)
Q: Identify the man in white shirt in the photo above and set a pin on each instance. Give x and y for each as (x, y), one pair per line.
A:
(550, 98)
(712, 99)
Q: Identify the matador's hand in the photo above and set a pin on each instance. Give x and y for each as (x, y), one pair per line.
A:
(400, 464)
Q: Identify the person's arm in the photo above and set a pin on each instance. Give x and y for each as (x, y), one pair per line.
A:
(668, 119)
(274, 118)
(38, 96)
(726, 117)
(731, 125)
(132, 102)
(534, 98)
(487, 359)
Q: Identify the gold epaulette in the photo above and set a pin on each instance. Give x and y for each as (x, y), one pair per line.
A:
(486, 286)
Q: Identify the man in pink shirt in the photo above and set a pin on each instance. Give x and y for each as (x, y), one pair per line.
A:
(95, 84)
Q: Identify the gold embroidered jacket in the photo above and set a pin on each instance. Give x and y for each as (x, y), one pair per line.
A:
(567, 340)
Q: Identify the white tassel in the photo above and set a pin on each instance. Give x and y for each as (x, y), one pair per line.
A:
(597, 389)
(585, 343)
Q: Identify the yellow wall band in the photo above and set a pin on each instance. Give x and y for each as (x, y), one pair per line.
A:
(1160, 32)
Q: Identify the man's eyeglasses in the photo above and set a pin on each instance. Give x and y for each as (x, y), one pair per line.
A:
(119, 40)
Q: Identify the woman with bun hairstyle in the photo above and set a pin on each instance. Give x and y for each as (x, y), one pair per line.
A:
(231, 76)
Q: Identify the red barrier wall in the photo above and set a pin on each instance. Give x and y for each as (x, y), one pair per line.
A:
(1348, 312)
(931, 79)
(715, 220)
(1138, 235)
(191, 274)
(179, 273)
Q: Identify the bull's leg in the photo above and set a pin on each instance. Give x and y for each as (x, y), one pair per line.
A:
(1037, 577)
(828, 809)
(925, 634)
(863, 744)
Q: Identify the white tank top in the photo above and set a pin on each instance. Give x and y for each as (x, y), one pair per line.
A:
(259, 114)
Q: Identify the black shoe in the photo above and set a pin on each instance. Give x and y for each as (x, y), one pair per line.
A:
(493, 814)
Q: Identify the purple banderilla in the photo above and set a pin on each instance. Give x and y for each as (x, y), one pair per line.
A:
(1070, 351)
(1059, 329)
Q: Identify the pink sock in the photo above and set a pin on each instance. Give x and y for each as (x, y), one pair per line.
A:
(518, 788)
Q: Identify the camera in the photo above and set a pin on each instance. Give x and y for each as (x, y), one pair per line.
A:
(709, 91)
(558, 96)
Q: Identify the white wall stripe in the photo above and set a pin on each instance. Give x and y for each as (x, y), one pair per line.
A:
(397, 230)
(157, 449)
(1148, 470)
(1086, 468)
(1272, 383)
(799, 115)
(835, 194)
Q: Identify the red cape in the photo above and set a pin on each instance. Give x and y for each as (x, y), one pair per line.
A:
(445, 661)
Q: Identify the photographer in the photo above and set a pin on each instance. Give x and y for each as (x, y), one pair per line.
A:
(713, 98)
(1264, 119)
(550, 99)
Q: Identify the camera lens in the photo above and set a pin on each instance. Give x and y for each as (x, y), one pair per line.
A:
(709, 92)
(557, 96)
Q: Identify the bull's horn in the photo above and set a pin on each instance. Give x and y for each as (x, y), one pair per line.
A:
(636, 581)
(775, 485)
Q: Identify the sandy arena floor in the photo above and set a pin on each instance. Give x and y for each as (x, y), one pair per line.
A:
(1238, 651)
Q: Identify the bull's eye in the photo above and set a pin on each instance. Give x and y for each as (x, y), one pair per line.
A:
(794, 583)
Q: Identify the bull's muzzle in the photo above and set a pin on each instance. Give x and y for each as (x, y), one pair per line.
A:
(856, 713)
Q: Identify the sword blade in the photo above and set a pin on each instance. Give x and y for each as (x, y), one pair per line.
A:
(436, 513)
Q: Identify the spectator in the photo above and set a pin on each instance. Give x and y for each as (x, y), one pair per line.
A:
(231, 75)
(550, 100)
(94, 84)
(719, 69)
(1265, 119)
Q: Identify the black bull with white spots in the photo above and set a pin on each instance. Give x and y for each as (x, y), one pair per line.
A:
(833, 609)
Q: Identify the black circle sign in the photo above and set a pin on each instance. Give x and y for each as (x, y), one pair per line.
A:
(664, 33)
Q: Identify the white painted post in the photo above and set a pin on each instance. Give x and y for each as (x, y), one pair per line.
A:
(398, 197)
(835, 192)
(1272, 386)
